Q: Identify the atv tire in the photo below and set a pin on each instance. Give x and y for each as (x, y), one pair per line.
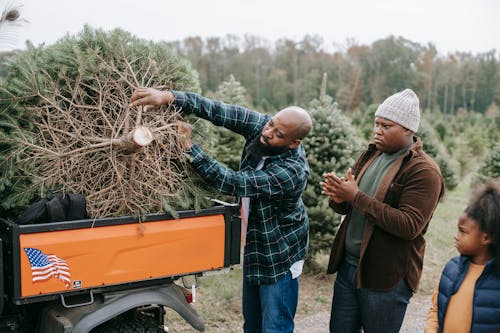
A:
(128, 325)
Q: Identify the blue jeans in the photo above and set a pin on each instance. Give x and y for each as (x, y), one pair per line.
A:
(270, 308)
(374, 311)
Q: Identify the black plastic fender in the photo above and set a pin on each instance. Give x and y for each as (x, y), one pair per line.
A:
(81, 319)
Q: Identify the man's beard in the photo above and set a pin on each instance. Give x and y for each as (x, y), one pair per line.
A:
(257, 150)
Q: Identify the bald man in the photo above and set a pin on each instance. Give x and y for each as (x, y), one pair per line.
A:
(273, 174)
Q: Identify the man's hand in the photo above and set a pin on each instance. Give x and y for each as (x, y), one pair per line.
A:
(340, 189)
(184, 130)
(151, 98)
(328, 188)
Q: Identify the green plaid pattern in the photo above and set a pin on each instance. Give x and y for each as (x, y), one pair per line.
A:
(278, 225)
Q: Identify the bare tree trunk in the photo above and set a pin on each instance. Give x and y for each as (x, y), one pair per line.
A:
(137, 139)
(429, 94)
(295, 78)
(453, 92)
(257, 80)
(464, 95)
(445, 102)
(322, 92)
(354, 91)
(473, 92)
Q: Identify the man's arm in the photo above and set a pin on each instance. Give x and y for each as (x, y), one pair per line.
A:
(235, 118)
(275, 181)
(418, 198)
(339, 208)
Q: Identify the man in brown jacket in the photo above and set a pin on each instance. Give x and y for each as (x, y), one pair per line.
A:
(388, 198)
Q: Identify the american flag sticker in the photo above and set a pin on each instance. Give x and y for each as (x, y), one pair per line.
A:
(45, 266)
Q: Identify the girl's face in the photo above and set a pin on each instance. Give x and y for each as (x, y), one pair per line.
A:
(469, 239)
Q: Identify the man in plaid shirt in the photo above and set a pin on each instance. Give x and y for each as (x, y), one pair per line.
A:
(273, 174)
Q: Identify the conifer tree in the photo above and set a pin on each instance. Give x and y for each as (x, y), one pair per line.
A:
(437, 150)
(66, 125)
(228, 144)
(491, 166)
(332, 145)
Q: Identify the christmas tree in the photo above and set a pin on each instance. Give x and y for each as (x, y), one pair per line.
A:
(66, 125)
(229, 144)
(332, 145)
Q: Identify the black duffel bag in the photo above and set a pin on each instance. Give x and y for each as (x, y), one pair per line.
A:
(55, 207)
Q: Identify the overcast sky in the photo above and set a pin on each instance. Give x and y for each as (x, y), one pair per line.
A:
(451, 25)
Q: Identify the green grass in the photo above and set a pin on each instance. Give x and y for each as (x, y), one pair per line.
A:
(218, 301)
(439, 237)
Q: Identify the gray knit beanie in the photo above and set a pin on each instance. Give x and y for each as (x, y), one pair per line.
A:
(401, 108)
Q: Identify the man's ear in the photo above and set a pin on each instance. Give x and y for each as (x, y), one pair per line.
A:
(294, 144)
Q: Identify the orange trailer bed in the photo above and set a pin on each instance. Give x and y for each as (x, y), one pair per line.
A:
(99, 255)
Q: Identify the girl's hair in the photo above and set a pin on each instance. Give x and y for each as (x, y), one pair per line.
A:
(484, 208)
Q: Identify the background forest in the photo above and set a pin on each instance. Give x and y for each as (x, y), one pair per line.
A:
(459, 99)
(459, 95)
(289, 72)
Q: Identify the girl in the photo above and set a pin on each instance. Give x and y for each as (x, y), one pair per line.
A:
(468, 295)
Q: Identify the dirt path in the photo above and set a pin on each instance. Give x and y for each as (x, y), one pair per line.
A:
(414, 322)
(313, 311)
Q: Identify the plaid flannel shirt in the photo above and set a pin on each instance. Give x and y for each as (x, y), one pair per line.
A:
(278, 225)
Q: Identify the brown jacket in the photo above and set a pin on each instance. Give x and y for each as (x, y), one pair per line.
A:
(397, 218)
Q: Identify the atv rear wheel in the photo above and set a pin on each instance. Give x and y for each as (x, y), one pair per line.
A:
(129, 325)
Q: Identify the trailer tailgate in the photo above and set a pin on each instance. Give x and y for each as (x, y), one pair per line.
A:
(68, 256)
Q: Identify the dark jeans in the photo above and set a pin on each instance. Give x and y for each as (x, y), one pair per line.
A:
(374, 311)
(270, 308)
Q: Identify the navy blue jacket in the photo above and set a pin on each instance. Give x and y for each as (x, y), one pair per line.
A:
(486, 299)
